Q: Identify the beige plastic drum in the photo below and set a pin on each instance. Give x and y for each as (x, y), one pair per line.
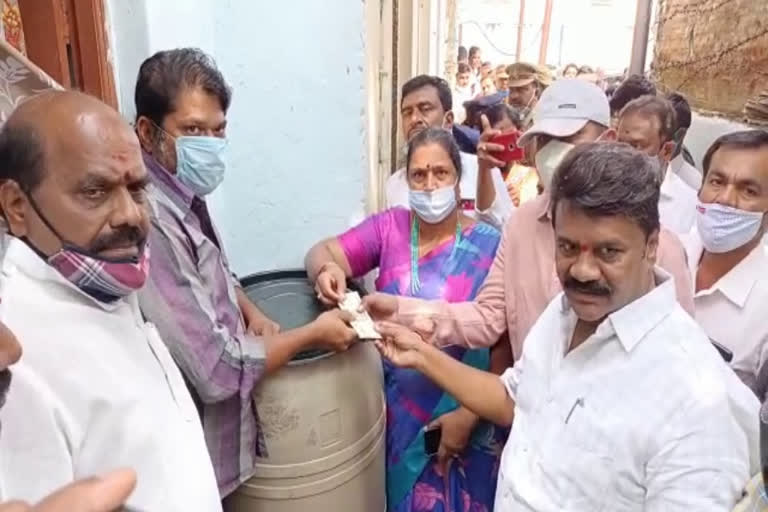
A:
(324, 421)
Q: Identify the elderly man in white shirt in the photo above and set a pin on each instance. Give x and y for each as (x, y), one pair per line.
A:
(99, 494)
(619, 401)
(729, 264)
(679, 163)
(426, 101)
(648, 124)
(96, 389)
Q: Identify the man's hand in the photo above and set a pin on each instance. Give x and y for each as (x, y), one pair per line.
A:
(331, 284)
(514, 193)
(400, 345)
(486, 149)
(259, 324)
(256, 322)
(456, 429)
(333, 332)
(381, 306)
(102, 494)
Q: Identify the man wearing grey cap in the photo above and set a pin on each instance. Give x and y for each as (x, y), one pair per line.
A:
(522, 280)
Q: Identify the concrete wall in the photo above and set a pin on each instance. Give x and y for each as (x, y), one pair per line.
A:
(714, 52)
(297, 126)
(704, 130)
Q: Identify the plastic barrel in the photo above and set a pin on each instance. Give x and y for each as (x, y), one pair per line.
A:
(323, 418)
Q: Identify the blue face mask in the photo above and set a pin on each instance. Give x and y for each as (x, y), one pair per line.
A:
(200, 163)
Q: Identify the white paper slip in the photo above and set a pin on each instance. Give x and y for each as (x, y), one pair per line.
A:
(362, 324)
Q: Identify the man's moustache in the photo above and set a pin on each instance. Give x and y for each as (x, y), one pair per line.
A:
(587, 288)
(128, 236)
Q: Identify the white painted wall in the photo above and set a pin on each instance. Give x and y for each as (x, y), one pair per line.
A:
(298, 162)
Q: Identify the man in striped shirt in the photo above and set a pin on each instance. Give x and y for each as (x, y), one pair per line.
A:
(223, 344)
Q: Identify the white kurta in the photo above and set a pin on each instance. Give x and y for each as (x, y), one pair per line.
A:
(643, 416)
(96, 390)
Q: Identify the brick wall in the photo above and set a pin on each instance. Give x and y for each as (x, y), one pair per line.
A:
(713, 51)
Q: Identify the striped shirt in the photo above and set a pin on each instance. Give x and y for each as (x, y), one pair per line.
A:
(191, 298)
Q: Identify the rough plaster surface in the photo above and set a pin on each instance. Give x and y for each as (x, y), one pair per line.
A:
(704, 131)
(297, 158)
(714, 51)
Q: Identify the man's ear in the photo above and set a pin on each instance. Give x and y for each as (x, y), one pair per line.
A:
(448, 120)
(14, 206)
(667, 150)
(608, 135)
(652, 246)
(146, 131)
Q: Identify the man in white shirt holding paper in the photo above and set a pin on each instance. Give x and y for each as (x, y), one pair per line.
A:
(729, 264)
(96, 389)
(619, 400)
(648, 124)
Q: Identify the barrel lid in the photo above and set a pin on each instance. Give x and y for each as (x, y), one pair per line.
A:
(288, 298)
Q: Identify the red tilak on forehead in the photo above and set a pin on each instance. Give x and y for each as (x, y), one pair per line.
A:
(585, 248)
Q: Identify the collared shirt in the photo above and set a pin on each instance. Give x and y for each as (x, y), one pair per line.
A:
(521, 283)
(191, 297)
(677, 204)
(460, 96)
(495, 215)
(642, 416)
(95, 390)
(690, 175)
(732, 311)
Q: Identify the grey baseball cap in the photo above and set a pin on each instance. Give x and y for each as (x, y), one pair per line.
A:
(566, 106)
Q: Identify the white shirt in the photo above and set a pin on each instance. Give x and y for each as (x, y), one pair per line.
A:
(643, 416)
(733, 312)
(496, 215)
(690, 175)
(96, 389)
(677, 204)
(460, 96)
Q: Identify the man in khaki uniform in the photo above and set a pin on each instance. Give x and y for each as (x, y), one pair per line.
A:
(526, 83)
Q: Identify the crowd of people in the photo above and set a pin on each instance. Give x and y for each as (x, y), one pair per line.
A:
(580, 324)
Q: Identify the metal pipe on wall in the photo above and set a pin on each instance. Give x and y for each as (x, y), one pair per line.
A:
(640, 37)
(520, 29)
(545, 32)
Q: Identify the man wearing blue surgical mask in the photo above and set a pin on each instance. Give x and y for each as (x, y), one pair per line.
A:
(727, 259)
(223, 344)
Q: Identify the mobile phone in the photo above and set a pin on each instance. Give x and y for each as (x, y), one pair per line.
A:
(432, 440)
(512, 152)
(726, 354)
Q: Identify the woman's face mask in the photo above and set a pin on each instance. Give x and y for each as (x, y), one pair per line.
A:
(433, 206)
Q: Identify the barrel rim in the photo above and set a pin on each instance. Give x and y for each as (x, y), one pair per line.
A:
(293, 274)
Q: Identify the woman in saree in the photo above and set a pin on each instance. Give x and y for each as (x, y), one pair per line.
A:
(432, 251)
